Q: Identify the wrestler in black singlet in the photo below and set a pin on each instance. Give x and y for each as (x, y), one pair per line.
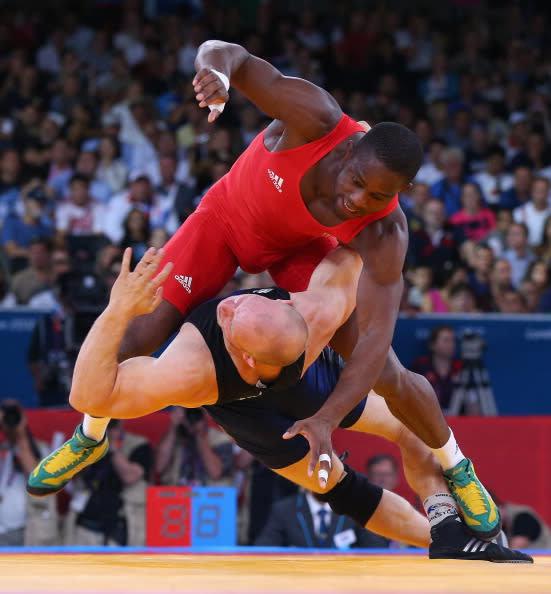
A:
(257, 416)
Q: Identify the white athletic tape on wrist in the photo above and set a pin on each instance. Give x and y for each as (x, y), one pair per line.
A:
(323, 474)
(226, 82)
(325, 458)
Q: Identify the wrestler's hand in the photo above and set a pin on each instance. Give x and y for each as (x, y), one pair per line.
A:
(139, 292)
(211, 91)
(317, 430)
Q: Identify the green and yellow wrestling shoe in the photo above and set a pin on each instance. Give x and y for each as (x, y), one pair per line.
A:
(57, 469)
(480, 513)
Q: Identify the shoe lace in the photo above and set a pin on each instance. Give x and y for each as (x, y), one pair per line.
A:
(59, 460)
(470, 491)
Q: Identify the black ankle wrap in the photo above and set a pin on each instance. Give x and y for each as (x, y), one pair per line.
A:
(354, 497)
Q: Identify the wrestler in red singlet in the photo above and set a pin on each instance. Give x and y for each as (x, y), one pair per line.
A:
(255, 218)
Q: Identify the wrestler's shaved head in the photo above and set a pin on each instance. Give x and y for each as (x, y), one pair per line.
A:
(272, 332)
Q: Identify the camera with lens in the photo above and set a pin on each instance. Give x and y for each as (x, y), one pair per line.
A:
(194, 416)
(11, 415)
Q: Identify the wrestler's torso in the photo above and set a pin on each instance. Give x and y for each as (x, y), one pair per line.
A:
(266, 205)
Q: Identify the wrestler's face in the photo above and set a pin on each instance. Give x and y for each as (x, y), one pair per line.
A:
(365, 187)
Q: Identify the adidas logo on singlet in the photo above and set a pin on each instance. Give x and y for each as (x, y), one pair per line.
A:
(185, 281)
(277, 181)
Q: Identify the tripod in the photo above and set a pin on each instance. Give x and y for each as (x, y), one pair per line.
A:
(473, 394)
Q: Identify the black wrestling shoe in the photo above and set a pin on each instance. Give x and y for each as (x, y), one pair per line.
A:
(452, 540)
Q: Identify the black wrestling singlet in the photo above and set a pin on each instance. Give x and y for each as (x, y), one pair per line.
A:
(231, 386)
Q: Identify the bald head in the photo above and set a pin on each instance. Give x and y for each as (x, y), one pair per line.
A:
(272, 332)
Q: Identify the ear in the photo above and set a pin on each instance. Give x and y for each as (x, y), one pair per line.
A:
(249, 360)
(407, 188)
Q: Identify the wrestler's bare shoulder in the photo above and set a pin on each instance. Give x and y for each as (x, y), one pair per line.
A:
(188, 362)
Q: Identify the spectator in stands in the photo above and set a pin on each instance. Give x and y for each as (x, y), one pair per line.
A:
(382, 470)
(87, 165)
(60, 169)
(434, 245)
(10, 182)
(493, 180)
(19, 231)
(437, 299)
(440, 366)
(431, 171)
(305, 522)
(523, 526)
(497, 239)
(21, 520)
(535, 211)
(511, 302)
(413, 203)
(479, 276)
(80, 215)
(448, 189)
(462, 299)
(520, 192)
(111, 170)
(109, 508)
(473, 221)
(136, 233)
(420, 278)
(500, 282)
(38, 275)
(518, 252)
(194, 453)
(543, 250)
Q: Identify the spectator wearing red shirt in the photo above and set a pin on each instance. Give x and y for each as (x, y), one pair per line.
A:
(439, 367)
(474, 221)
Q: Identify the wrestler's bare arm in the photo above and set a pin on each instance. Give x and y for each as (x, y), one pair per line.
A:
(382, 247)
(329, 299)
(139, 386)
(306, 110)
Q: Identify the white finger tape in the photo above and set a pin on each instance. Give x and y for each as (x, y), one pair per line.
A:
(217, 107)
(225, 80)
(323, 474)
(325, 458)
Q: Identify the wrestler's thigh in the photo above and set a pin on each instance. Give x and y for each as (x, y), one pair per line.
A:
(377, 419)
(203, 262)
(294, 271)
(298, 474)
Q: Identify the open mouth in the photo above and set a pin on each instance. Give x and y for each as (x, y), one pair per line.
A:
(349, 206)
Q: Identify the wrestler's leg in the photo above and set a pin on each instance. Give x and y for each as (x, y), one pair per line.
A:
(421, 468)
(393, 517)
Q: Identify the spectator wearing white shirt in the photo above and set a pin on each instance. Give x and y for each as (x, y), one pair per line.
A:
(493, 180)
(139, 195)
(534, 212)
(80, 215)
(518, 252)
(431, 170)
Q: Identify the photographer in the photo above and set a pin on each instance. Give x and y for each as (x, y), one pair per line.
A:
(192, 453)
(21, 521)
(108, 507)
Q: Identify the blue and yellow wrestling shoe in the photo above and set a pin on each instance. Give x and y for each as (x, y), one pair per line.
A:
(480, 513)
(57, 469)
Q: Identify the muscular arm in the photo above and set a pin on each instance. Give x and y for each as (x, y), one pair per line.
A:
(306, 110)
(141, 385)
(382, 247)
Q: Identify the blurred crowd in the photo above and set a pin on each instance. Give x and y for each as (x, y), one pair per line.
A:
(103, 146)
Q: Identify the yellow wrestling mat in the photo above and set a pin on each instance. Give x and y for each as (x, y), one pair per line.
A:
(289, 574)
